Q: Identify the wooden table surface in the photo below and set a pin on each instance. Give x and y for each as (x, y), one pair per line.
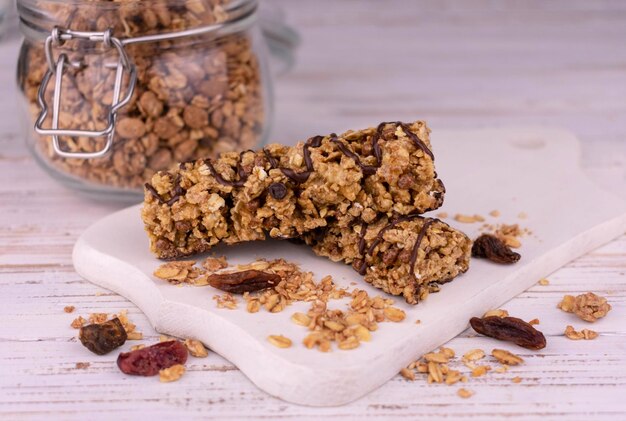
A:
(360, 62)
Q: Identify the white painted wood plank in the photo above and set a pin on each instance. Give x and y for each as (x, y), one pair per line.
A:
(558, 63)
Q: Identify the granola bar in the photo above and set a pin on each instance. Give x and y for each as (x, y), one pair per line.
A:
(284, 191)
(409, 255)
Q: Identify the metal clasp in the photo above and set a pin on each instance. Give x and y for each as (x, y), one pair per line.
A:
(58, 67)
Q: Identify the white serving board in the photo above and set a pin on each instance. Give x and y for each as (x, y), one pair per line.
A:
(534, 171)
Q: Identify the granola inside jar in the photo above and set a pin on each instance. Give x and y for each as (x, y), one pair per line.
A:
(118, 90)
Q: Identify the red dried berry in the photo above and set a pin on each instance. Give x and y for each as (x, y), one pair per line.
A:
(149, 361)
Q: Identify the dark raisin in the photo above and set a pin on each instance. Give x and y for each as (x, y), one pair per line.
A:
(509, 329)
(148, 361)
(104, 337)
(245, 281)
(278, 190)
(494, 249)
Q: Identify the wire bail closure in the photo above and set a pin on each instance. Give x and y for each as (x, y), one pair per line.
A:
(57, 67)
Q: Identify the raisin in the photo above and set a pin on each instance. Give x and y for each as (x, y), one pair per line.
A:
(494, 249)
(509, 329)
(148, 361)
(278, 190)
(104, 337)
(245, 281)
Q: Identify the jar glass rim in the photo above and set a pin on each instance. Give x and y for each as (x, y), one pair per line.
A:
(34, 19)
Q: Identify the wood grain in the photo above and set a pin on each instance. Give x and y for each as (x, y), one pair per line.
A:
(553, 63)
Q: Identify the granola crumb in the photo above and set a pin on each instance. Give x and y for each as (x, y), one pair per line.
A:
(136, 347)
(534, 322)
(69, 309)
(516, 379)
(213, 264)
(588, 307)
(418, 321)
(78, 322)
(196, 348)
(522, 215)
(464, 393)
(172, 373)
(82, 366)
(394, 314)
(585, 334)
(495, 213)
(480, 370)
(98, 318)
(442, 215)
(227, 301)
(279, 341)
(544, 282)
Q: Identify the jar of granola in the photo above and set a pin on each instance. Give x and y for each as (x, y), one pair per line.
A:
(117, 90)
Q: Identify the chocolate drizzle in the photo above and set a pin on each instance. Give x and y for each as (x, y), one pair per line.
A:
(178, 192)
(367, 169)
(416, 246)
(379, 237)
(416, 140)
(298, 177)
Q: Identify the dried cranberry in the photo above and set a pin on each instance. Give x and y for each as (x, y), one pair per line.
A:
(148, 361)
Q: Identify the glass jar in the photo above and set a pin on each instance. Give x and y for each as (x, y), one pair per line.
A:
(118, 90)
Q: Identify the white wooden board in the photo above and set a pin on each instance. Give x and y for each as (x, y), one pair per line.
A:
(534, 171)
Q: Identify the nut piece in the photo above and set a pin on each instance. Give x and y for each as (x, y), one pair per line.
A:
(279, 341)
(568, 303)
(506, 357)
(474, 355)
(586, 334)
(172, 373)
(196, 348)
(69, 309)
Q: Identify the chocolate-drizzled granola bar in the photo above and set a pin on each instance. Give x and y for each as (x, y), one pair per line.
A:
(408, 255)
(288, 191)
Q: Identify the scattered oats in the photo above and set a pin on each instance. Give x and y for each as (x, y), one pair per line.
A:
(165, 338)
(136, 347)
(474, 355)
(522, 215)
(516, 379)
(586, 334)
(501, 369)
(78, 322)
(253, 305)
(350, 342)
(498, 313)
(82, 366)
(421, 367)
(172, 373)
(394, 314)
(408, 374)
(434, 373)
(464, 393)
(480, 370)
(442, 215)
(534, 322)
(544, 282)
(436, 357)
(448, 352)
(180, 271)
(279, 341)
(213, 264)
(196, 348)
(69, 309)
(494, 213)
(468, 219)
(134, 336)
(300, 319)
(505, 357)
(453, 376)
(362, 333)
